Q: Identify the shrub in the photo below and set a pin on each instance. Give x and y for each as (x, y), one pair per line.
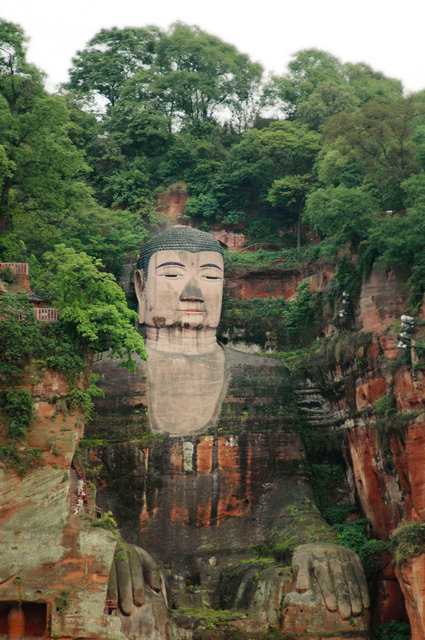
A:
(17, 407)
(391, 631)
(408, 540)
(7, 275)
(19, 335)
(107, 521)
(62, 602)
(353, 536)
(22, 463)
(294, 322)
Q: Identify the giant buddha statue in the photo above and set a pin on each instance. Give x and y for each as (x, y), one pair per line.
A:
(224, 472)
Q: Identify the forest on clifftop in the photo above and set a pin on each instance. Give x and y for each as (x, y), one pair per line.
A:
(327, 146)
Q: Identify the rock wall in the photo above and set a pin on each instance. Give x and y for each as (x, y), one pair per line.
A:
(200, 503)
(54, 567)
(281, 281)
(385, 453)
(181, 497)
(172, 202)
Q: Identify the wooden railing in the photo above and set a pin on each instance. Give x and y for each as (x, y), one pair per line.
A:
(43, 314)
(16, 267)
(47, 314)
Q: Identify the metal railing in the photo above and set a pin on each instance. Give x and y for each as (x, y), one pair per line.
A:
(16, 267)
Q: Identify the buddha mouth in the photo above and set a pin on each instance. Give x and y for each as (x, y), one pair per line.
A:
(192, 310)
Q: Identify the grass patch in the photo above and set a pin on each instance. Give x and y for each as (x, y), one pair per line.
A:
(21, 462)
(211, 618)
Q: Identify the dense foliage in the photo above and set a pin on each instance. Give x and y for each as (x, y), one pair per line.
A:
(145, 108)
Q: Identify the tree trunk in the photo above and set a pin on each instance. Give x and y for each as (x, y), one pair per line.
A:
(299, 232)
(4, 197)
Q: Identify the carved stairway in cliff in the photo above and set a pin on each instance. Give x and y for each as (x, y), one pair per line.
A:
(317, 411)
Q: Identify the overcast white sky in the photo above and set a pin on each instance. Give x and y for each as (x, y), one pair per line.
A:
(386, 34)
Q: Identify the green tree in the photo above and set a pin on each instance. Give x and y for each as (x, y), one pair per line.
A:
(337, 164)
(45, 198)
(326, 100)
(306, 71)
(125, 157)
(184, 74)
(20, 84)
(199, 76)
(110, 58)
(381, 138)
(318, 86)
(397, 240)
(92, 302)
(19, 335)
(249, 179)
(343, 215)
(371, 85)
(19, 80)
(290, 193)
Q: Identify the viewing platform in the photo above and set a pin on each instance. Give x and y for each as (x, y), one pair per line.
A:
(18, 283)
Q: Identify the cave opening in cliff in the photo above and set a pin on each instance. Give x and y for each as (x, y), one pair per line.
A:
(29, 617)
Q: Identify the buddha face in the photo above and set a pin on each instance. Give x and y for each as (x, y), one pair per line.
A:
(183, 289)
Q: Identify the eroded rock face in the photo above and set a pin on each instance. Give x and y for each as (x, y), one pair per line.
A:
(411, 576)
(386, 453)
(243, 283)
(202, 502)
(194, 491)
(52, 561)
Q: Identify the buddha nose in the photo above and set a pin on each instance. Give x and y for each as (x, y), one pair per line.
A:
(191, 292)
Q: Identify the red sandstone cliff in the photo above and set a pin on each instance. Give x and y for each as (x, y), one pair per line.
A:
(53, 565)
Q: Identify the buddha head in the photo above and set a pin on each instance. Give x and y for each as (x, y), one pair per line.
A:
(179, 281)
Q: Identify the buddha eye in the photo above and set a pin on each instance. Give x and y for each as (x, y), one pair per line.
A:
(170, 275)
(211, 277)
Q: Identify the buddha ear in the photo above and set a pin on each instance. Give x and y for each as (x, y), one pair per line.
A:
(139, 285)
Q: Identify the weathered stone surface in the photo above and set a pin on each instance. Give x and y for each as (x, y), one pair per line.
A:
(46, 551)
(172, 202)
(204, 501)
(379, 492)
(244, 283)
(411, 576)
(383, 299)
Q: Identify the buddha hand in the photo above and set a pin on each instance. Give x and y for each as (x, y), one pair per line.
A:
(133, 571)
(336, 573)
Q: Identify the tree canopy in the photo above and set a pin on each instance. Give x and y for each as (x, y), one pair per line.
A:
(146, 108)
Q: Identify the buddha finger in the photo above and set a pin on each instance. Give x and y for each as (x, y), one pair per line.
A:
(324, 579)
(113, 584)
(301, 567)
(137, 581)
(124, 584)
(151, 573)
(341, 587)
(361, 580)
(353, 585)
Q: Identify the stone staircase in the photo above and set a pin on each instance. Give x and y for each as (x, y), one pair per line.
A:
(315, 409)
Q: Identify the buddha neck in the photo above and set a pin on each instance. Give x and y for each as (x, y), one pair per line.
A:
(177, 339)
